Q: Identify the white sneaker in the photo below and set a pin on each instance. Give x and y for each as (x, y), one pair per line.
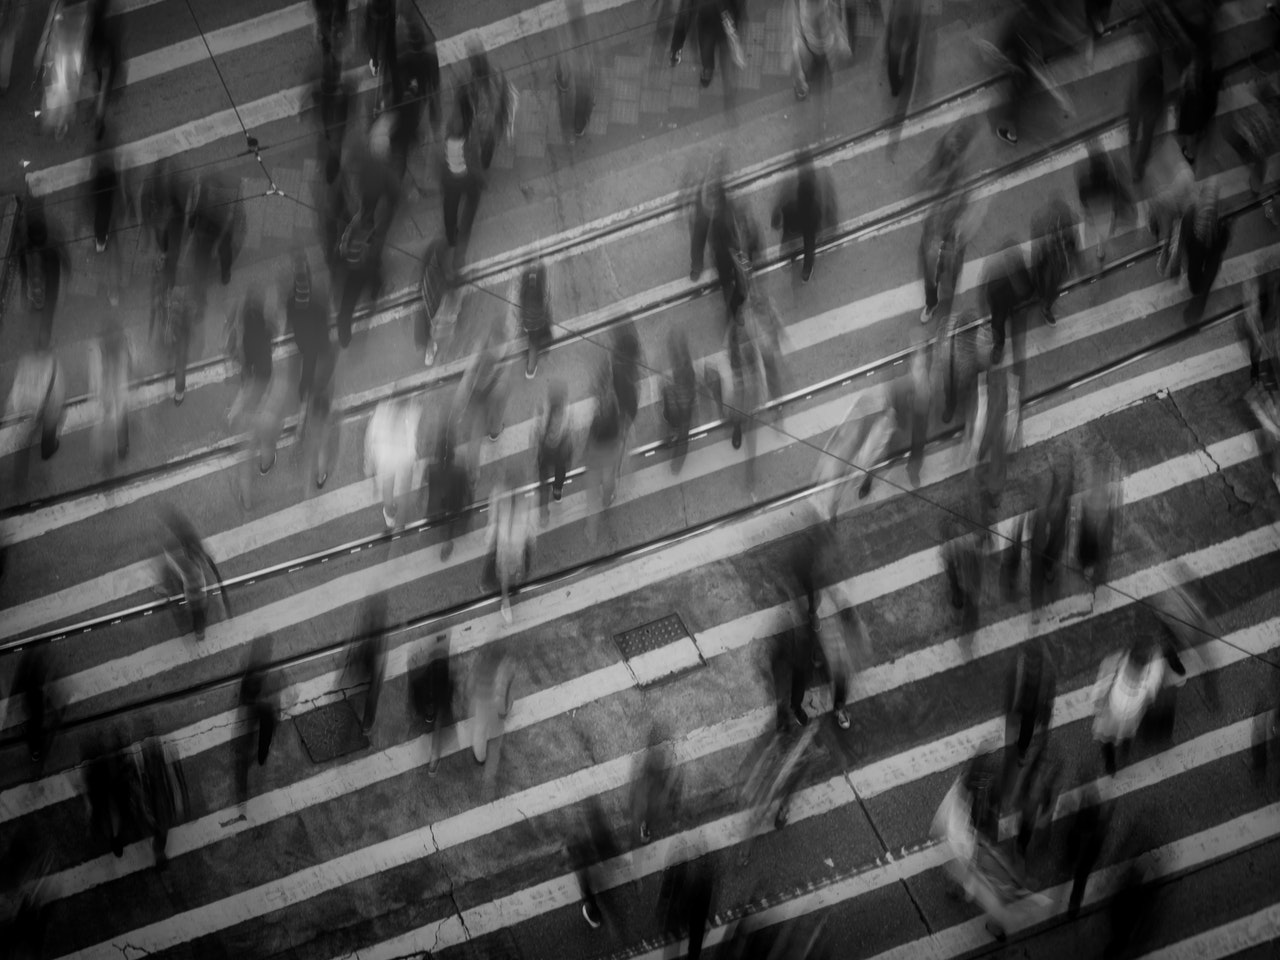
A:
(429, 357)
(389, 518)
(373, 68)
(926, 315)
(506, 611)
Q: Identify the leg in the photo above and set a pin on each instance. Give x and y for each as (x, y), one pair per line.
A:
(698, 241)
(452, 196)
(352, 285)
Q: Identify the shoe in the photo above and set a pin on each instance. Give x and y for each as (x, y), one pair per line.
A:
(864, 488)
(178, 396)
(530, 371)
(695, 273)
(320, 480)
(676, 57)
(389, 518)
(591, 916)
(100, 245)
(705, 78)
(433, 767)
(926, 314)
(806, 273)
(556, 495)
(1008, 135)
(506, 611)
(995, 930)
(1049, 318)
(737, 437)
(780, 820)
(373, 68)
(493, 437)
(429, 357)
(267, 469)
(842, 719)
(645, 834)
(802, 717)
(802, 93)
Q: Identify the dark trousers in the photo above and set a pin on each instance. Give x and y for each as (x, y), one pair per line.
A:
(380, 31)
(705, 229)
(1144, 116)
(553, 465)
(104, 195)
(802, 223)
(454, 190)
(264, 718)
(1006, 319)
(539, 339)
(181, 350)
(359, 279)
(901, 43)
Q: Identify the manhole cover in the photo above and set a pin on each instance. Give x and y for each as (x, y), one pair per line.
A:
(659, 650)
(331, 731)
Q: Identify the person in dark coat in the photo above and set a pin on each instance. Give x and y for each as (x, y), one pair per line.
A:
(32, 686)
(1205, 235)
(461, 179)
(1198, 99)
(1085, 839)
(1054, 249)
(1049, 534)
(1005, 287)
(555, 447)
(1146, 105)
(1103, 196)
(380, 34)
(531, 299)
(902, 44)
(188, 570)
(487, 104)
(941, 257)
(331, 95)
(448, 487)
(307, 318)
(42, 264)
(258, 700)
(371, 655)
(109, 789)
(715, 220)
(718, 24)
(685, 900)
(679, 395)
(431, 691)
(576, 78)
(359, 265)
(418, 74)
(805, 207)
(331, 25)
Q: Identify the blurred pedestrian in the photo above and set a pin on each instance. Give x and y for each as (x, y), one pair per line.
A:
(509, 539)
(435, 319)
(12, 17)
(792, 659)
(1205, 235)
(481, 400)
(419, 71)
(1054, 250)
(1172, 193)
(109, 370)
(36, 402)
(1049, 533)
(679, 395)
(768, 782)
(448, 487)
(215, 222)
(1099, 515)
(806, 206)
(33, 684)
(626, 358)
(1085, 839)
(941, 256)
(554, 442)
(1254, 134)
(716, 220)
(1127, 686)
(487, 103)
(718, 25)
(655, 787)
(964, 357)
(818, 42)
(1103, 197)
(102, 46)
(1197, 97)
(461, 178)
(307, 319)
(432, 691)
(110, 795)
(318, 436)
(742, 393)
(42, 264)
(492, 693)
(605, 437)
(164, 795)
(187, 569)
(259, 701)
(252, 412)
(902, 43)
(331, 26)
(1006, 285)
(390, 452)
(371, 655)
(964, 548)
(1259, 327)
(688, 886)
(331, 95)
(1146, 104)
(380, 34)
(576, 77)
(530, 299)
(1030, 690)
(360, 264)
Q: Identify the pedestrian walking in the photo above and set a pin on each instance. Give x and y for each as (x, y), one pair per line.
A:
(390, 452)
(431, 689)
(1205, 235)
(487, 102)
(215, 222)
(1086, 837)
(492, 693)
(33, 684)
(742, 392)
(964, 548)
(626, 358)
(606, 436)
(380, 35)
(1146, 104)
(331, 26)
(481, 400)
(1054, 251)
(1103, 197)
(1099, 515)
(903, 25)
(1006, 285)
(805, 207)
(904, 410)
(1127, 686)
(554, 442)
(448, 487)
(1254, 134)
(371, 655)
(187, 570)
(679, 395)
(530, 299)
(589, 847)
(307, 319)
(110, 795)
(656, 788)
(768, 780)
(360, 264)
(1259, 327)
(36, 402)
(1197, 98)
(509, 539)
(1049, 533)
(252, 412)
(12, 18)
(259, 701)
(318, 437)
(165, 799)
(576, 77)
(42, 266)
(418, 73)
(941, 257)
(818, 42)
(1030, 689)
(461, 178)
(688, 887)
(331, 96)
(718, 25)
(109, 371)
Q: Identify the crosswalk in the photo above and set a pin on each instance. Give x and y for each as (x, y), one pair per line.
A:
(368, 855)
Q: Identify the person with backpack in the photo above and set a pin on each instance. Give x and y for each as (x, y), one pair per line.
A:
(941, 257)
(806, 206)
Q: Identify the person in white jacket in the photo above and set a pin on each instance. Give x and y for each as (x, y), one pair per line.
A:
(1127, 685)
(390, 451)
(109, 366)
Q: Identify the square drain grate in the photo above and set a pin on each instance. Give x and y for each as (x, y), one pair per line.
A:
(331, 731)
(659, 650)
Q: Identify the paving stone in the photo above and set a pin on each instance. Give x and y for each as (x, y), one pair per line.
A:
(599, 124)
(504, 157)
(252, 214)
(628, 68)
(625, 111)
(310, 170)
(278, 218)
(628, 90)
(654, 101)
(750, 78)
(685, 96)
(773, 65)
(531, 146)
